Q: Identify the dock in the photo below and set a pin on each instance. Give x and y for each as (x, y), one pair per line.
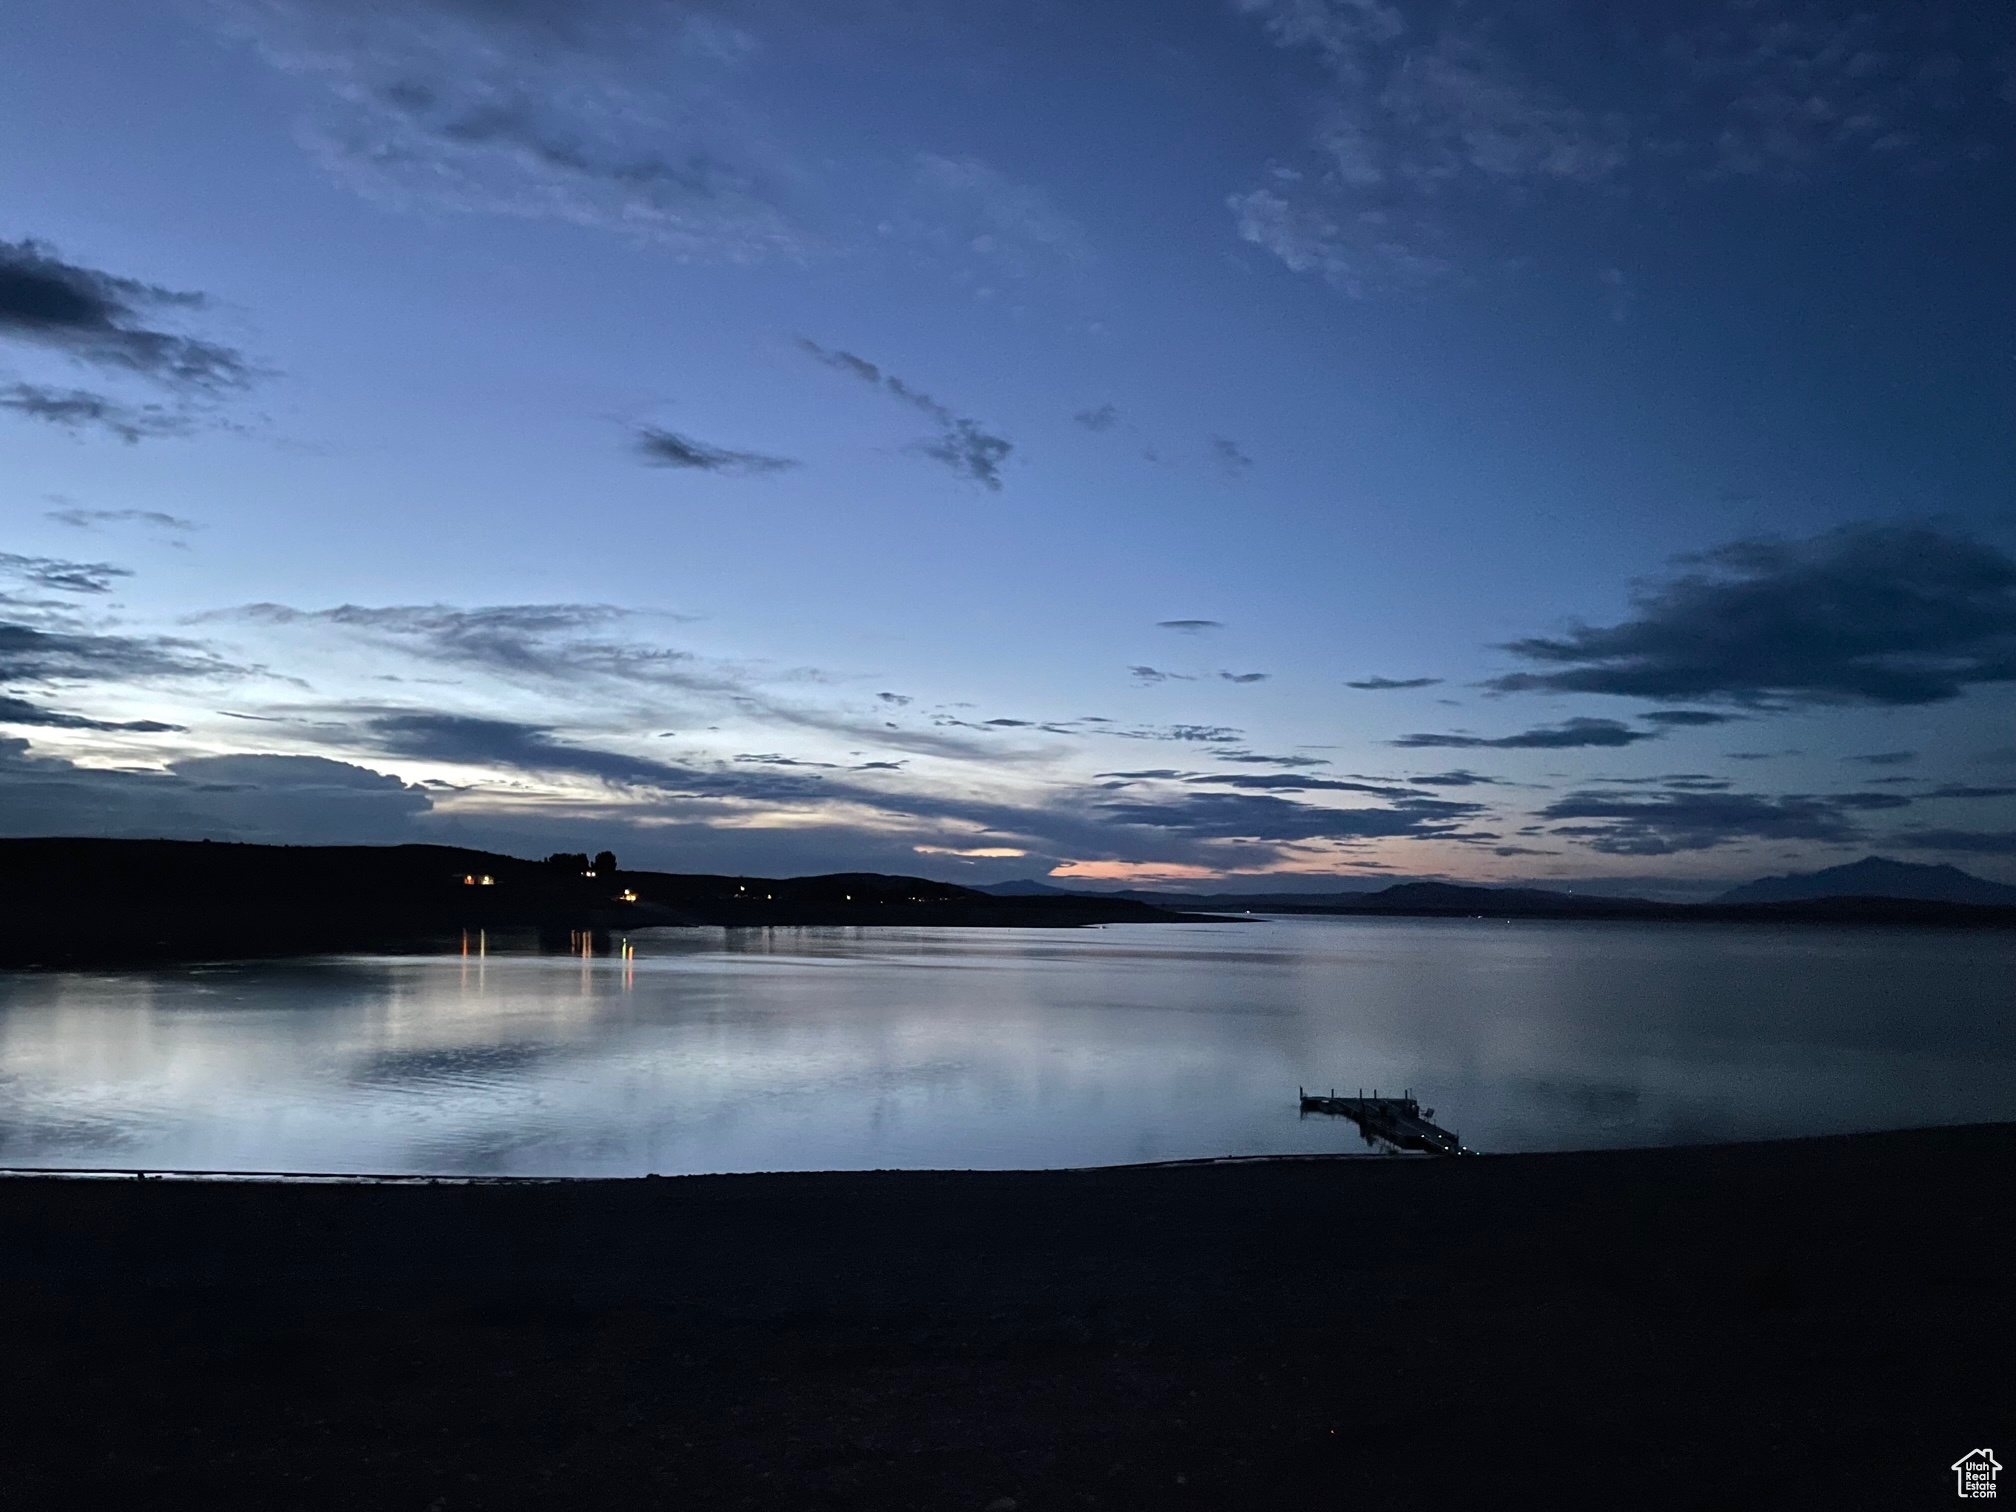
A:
(1399, 1121)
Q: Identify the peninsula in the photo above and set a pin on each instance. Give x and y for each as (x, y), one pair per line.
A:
(83, 902)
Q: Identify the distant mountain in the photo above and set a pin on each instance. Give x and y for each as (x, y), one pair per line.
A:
(1024, 887)
(1441, 896)
(1874, 877)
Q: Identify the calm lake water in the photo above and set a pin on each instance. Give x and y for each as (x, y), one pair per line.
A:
(706, 1050)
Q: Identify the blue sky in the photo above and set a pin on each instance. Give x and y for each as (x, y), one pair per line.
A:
(991, 440)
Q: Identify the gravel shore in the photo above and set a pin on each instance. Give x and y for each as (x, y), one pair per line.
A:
(1810, 1323)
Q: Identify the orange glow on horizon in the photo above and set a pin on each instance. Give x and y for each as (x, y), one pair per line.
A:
(1133, 871)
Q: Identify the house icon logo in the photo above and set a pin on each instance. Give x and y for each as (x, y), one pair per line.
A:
(1975, 1472)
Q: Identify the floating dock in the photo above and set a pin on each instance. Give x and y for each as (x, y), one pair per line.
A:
(1399, 1121)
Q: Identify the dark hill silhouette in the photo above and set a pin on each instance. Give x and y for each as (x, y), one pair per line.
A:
(79, 901)
(1874, 877)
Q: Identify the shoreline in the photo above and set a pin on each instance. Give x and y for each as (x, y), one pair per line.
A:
(1186, 1162)
(1800, 1322)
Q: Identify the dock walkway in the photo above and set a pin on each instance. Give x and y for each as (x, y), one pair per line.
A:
(1399, 1121)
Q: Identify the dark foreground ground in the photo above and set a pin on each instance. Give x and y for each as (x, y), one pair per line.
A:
(1821, 1323)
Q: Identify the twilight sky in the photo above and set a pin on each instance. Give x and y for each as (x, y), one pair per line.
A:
(1254, 441)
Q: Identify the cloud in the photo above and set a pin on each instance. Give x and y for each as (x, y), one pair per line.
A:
(70, 655)
(1184, 732)
(60, 575)
(1148, 675)
(1190, 626)
(1244, 677)
(1440, 136)
(1010, 224)
(1885, 758)
(1380, 684)
(1248, 758)
(1660, 824)
(663, 448)
(1226, 816)
(1234, 461)
(588, 655)
(1457, 778)
(1959, 842)
(103, 319)
(961, 444)
(270, 798)
(17, 711)
(632, 119)
(1684, 718)
(81, 409)
(1876, 614)
(1299, 782)
(1566, 735)
(1101, 418)
(897, 700)
(90, 519)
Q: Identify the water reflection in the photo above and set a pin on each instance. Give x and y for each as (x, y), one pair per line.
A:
(692, 1050)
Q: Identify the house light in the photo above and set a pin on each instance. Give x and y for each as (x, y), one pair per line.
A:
(589, 873)
(628, 895)
(486, 880)
(469, 881)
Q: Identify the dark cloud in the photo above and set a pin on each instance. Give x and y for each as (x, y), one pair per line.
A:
(1249, 758)
(1567, 735)
(961, 444)
(60, 575)
(897, 699)
(1660, 824)
(1102, 418)
(276, 799)
(1882, 614)
(1685, 718)
(1885, 758)
(1227, 816)
(1960, 842)
(102, 319)
(1298, 782)
(1230, 457)
(1457, 778)
(1146, 675)
(1190, 626)
(773, 759)
(1678, 781)
(1244, 677)
(471, 741)
(81, 409)
(1961, 790)
(969, 451)
(17, 711)
(1184, 732)
(59, 656)
(663, 448)
(1380, 684)
(88, 519)
(1010, 724)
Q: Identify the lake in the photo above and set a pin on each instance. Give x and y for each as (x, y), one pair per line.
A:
(711, 1050)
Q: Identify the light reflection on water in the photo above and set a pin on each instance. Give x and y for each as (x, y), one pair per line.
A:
(711, 1050)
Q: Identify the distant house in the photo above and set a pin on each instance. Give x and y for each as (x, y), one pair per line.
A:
(478, 879)
(1974, 1473)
